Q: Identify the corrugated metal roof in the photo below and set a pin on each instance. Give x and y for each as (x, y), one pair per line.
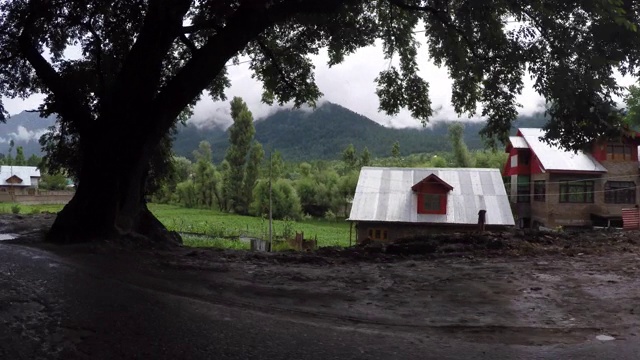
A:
(517, 142)
(553, 158)
(384, 194)
(23, 172)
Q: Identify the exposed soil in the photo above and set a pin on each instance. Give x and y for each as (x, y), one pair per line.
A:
(512, 288)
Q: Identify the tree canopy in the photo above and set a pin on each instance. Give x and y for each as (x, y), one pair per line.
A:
(632, 109)
(143, 64)
(137, 53)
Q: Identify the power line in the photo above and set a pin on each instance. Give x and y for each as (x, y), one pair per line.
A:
(506, 194)
(607, 178)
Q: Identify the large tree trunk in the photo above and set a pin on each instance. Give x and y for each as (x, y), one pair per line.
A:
(109, 201)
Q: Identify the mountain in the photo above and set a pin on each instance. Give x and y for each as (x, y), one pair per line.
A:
(302, 135)
(25, 129)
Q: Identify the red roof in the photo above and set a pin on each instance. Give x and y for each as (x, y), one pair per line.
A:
(432, 179)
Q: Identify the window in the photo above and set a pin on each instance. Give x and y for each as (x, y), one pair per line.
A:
(431, 202)
(576, 191)
(620, 192)
(618, 152)
(525, 157)
(539, 190)
(524, 189)
(378, 234)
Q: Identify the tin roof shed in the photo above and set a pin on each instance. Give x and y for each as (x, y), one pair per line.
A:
(25, 173)
(386, 195)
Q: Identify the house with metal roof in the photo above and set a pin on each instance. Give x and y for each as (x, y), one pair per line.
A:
(394, 203)
(553, 187)
(19, 179)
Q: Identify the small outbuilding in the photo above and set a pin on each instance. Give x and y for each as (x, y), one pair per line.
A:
(19, 180)
(393, 203)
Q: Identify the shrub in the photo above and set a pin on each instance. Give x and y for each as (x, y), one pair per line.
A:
(330, 216)
(287, 228)
(286, 202)
(15, 209)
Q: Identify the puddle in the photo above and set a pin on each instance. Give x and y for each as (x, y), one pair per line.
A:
(8, 236)
(605, 338)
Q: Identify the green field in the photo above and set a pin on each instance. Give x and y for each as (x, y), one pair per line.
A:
(5, 208)
(223, 225)
(221, 229)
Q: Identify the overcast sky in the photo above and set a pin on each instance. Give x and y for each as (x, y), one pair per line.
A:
(350, 84)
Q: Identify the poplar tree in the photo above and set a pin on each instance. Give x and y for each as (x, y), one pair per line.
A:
(252, 173)
(240, 137)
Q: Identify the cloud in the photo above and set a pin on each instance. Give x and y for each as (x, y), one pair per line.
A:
(27, 135)
(350, 84)
(18, 105)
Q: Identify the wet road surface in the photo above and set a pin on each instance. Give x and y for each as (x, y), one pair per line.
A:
(52, 309)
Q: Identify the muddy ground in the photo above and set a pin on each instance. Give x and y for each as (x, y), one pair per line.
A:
(511, 288)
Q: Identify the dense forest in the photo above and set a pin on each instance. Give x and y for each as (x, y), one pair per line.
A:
(301, 135)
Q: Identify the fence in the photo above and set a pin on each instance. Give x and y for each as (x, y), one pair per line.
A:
(631, 219)
(59, 197)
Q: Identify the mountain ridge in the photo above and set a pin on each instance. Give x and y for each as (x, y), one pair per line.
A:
(303, 135)
(299, 134)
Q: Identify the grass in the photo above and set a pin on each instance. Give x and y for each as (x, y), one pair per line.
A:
(5, 208)
(223, 225)
(220, 243)
(221, 228)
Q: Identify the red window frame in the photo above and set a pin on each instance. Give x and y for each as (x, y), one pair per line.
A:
(426, 199)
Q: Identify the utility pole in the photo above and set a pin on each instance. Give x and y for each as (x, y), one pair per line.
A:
(270, 206)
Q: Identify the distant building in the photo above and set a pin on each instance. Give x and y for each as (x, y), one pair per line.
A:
(393, 203)
(19, 180)
(551, 187)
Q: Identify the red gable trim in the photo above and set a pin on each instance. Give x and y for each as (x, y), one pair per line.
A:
(432, 179)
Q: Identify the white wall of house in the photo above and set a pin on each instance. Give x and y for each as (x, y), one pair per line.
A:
(513, 195)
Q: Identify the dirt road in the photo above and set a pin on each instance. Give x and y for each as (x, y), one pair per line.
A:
(546, 299)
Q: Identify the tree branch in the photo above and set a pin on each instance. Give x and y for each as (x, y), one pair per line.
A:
(271, 56)
(427, 8)
(98, 54)
(66, 101)
(76, 19)
(185, 40)
(444, 20)
(245, 25)
(137, 83)
(211, 24)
